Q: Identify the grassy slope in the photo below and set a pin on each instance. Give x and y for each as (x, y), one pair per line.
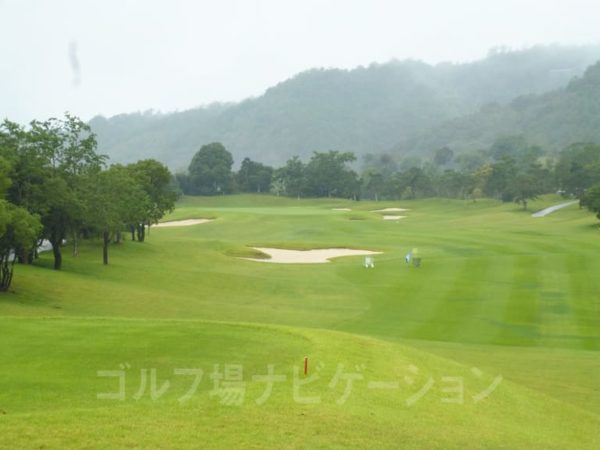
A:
(52, 399)
(498, 290)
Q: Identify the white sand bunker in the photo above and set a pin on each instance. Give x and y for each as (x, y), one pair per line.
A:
(318, 256)
(182, 223)
(388, 217)
(341, 209)
(390, 210)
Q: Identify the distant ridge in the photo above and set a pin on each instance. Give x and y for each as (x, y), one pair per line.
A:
(402, 106)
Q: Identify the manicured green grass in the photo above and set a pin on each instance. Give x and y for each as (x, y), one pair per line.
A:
(498, 290)
(52, 401)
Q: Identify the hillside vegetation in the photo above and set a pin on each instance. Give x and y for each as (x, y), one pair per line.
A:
(365, 110)
(552, 120)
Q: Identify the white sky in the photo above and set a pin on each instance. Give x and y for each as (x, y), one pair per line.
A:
(169, 55)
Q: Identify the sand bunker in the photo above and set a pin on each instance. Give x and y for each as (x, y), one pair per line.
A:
(182, 223)
(341, 209)
(388, 217)
(390, 210)
(318, 256)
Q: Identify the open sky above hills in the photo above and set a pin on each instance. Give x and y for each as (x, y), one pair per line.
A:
(113, 57)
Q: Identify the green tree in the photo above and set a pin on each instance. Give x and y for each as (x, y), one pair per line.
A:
(578, 168)
(210, 171)
(524, 187)
(18, 230)
(291, 178)
(415, 183)
(327, 175)
(453, 184)
(253, 176)
(373, 183)
(48, 161)
(501, 176)
(591, 200)
(113, 200)
(156, 181)
(477, 180)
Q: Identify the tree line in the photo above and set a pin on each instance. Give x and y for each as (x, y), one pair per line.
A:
(327, 174)
(509, 170)
(56, 187)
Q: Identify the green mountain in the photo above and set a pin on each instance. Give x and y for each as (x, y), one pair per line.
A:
(364, 110)
(552, 120)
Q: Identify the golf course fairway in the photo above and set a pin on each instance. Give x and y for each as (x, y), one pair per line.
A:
(494, 342)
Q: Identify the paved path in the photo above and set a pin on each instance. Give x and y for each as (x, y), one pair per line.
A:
(551, 209)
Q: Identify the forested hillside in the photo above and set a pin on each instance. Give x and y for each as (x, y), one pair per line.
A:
(404, 105)
(552, 120)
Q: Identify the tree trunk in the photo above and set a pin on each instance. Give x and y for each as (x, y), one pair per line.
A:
(56, 241)
(106, 241)
(132, 228)
(118, 237)
(36, 253)
(6, 273)
(76, 244)
(21, 256)
(141, 232)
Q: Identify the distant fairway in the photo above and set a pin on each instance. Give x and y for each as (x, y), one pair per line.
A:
(499, 290)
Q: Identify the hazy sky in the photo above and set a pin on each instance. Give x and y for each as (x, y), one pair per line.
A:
(108, 57)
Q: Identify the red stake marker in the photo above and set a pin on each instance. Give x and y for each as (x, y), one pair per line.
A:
(306, 365)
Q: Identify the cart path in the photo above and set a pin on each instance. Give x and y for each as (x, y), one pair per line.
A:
(551, 209)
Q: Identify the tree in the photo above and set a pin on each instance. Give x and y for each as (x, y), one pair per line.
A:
(578, 168)
(524, 187)
(60, 210)
(210, 170)
(253, 176)
(477, 181)
(291, 177)
(327, 175)
(453, 184)
(182, 181)
(113, 200)
(48, 161)
(373, 183)
(71, 149)
(18, 230)
(414, 183)
(498, 182)
(156, 181)
(591, 200)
